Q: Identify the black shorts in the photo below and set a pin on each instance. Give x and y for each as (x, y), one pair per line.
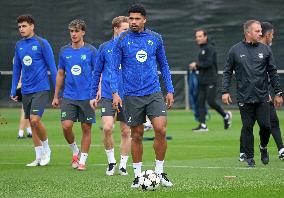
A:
(108, 110)
(77, 110)
(35, 103)
(137, 107)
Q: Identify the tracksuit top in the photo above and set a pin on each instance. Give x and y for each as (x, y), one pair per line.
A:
(138, 54)
(251, 63)
(33, 57)
(78, 65)
(103, 66)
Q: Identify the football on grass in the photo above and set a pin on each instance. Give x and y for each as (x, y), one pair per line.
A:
(149, 180)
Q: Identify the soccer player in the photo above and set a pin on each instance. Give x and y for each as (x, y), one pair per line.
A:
(119, 24)
(75, 67)
(251, 62)
(207, 81)
(266, 38)
(33, 58)
(138, 51)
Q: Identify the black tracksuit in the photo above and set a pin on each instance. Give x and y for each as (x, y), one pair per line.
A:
(207, 79)
(252, 63)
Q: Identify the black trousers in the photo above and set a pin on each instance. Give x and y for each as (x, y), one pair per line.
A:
(275, 129)
(251, 112)
(208, 93)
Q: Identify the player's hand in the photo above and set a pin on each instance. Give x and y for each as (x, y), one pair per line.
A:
(94, 103)
(55, 102)
(192, 65)
(170, 100)
(116, 99)
(226, 98)
(15, 98)
(278, 101)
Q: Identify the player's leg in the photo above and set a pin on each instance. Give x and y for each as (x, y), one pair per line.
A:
(68, 117)
(87, 118)
(211, 99)
(157, 112)
(201, 109)
(22, 123)
(125, 145)
(263, 120)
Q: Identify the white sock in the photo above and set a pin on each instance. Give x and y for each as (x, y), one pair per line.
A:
(45, 145)
(83, 158)
(281, 151)
(123, 161)
(29, 130)
(21, 133)
(241, 154)
(110, 155)
(74, 148)
(159, 167)
(226, 116)
(262, 147)
(203, 125)
(38, 151)
(137, 169)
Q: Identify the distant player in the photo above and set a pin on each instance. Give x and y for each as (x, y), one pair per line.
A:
(75, 67)
(34, 57)
(138, 51)
(104, 60)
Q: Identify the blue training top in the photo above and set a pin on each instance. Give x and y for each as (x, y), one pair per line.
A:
(78, 65)
(103, 66)
(138, 54)
(33, 57)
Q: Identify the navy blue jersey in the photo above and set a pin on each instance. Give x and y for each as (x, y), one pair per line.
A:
(33, 57)
(103, 67)
(78, 65)
(138, 55)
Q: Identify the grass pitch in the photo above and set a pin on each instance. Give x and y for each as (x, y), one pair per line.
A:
(199, 164)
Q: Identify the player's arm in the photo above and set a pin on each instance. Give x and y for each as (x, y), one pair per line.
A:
(17, 67)
(59, 80)
(49, 59)
(165, 71)
(226, 79)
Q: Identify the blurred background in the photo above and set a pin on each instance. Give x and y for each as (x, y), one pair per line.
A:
(175, 20)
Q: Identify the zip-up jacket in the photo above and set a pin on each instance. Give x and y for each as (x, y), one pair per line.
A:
(251, 63)
(207, 64)
(33, 57)
(138, 54)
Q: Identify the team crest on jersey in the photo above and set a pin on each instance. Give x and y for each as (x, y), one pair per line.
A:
(83, 56)
(141, 56)
(203, 52)
(150, 42)
(27, 60)
(260, 55)
(34, 48)
(76, 70)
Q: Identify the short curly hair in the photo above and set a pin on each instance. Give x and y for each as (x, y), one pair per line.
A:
(77, 24)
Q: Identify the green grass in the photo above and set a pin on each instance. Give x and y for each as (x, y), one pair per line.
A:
(195, 162)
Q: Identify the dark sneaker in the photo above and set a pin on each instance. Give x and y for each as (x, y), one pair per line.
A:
(251, 163)
(200, 129)
(30, 135)
(264, 155)
(21, 137)
(122, 171)
(164, 180)
(243, 157)
(228, 121)
(111, 169)
(135, 183)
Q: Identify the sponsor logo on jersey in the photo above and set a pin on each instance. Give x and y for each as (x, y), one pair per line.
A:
(203, 52)
(34, 48)
(242, 55)
(150, 42)
(68, 57)
(27, 60)
(141, 56)
(76, 70)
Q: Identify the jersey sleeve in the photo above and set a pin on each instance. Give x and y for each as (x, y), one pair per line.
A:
(115, 63)
(17, 67)
(228, 71)
(164, 66)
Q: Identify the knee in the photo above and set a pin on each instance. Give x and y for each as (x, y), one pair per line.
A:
(66, 127)
(160, 132)
(136, 137)
(125, 133)
(34, 122)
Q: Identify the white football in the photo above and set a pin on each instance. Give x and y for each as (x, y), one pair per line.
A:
(149, 180)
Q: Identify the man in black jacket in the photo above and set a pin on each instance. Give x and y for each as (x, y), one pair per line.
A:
(207, 80)
(252, 61)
